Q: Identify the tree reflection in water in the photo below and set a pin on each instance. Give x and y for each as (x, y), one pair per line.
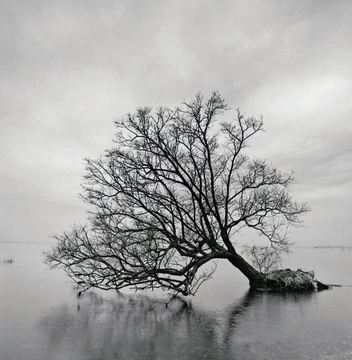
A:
(260, 326)
(138, 327)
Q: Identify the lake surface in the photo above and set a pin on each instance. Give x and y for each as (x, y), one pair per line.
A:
(42, 318)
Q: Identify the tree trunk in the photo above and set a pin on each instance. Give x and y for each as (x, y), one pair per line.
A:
(254, 276)
(278, 280)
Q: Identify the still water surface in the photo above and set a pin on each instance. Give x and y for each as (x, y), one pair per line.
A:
(41, 318)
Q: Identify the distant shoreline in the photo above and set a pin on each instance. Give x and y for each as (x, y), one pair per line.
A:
(19, 243)
(332, 247)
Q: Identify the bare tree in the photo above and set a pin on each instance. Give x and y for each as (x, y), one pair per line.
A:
(264, 258)
(171, 196)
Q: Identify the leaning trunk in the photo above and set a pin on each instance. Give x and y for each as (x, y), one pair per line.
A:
(254, 276)
(279, 280)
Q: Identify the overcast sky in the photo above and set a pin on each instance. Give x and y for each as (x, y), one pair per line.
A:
(69, 68)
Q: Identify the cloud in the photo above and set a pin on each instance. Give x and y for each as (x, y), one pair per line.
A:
(68, 69)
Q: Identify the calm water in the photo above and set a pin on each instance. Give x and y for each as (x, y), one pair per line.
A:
(41, 318)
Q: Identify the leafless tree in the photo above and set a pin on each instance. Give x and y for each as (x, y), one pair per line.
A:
(171, 196)
(264, 258)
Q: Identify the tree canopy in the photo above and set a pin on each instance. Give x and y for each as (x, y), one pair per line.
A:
(171, 196)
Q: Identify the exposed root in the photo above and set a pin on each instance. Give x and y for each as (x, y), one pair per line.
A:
(290, 280)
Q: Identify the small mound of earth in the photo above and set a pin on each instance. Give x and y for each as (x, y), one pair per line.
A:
(291, 280)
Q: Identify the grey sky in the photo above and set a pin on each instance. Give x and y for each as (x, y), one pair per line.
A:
(69, 68)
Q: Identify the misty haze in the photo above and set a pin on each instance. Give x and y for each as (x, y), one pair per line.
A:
(175, 180)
